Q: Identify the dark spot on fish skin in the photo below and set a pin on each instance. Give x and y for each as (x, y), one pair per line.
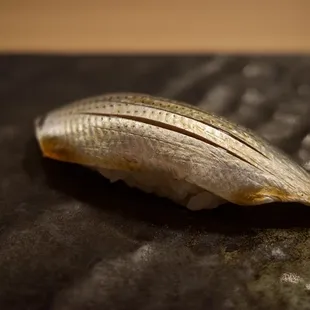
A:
(40, 120)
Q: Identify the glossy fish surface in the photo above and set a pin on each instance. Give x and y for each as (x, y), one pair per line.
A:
(172, 149)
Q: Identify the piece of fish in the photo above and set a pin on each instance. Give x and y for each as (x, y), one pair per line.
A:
(195, 158)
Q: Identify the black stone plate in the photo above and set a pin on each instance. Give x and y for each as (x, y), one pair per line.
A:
(71, 240)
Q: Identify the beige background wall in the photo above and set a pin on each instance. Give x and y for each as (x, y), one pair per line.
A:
(155, 26)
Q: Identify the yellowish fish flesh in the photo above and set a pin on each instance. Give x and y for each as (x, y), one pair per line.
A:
(172, 149)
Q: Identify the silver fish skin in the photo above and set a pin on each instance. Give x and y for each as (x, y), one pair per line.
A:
(173, 149)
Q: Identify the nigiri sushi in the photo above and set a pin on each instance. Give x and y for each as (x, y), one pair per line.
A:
(172, 149)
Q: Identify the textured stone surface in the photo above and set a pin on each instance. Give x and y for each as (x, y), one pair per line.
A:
(71, 240)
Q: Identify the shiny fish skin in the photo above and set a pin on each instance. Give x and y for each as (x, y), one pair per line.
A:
(191, 154)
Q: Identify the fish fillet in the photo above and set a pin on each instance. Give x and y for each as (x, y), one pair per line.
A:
(195, 158)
